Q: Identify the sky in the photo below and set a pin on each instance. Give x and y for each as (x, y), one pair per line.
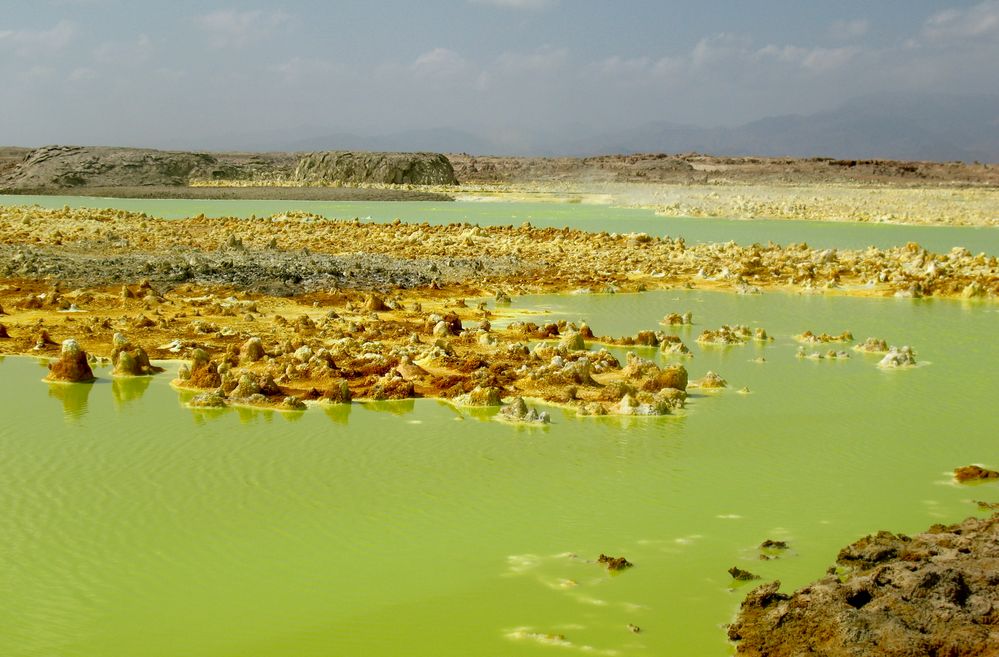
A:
(184, 72)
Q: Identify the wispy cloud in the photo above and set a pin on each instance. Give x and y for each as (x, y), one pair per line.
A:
(231, 28)
(847, 30)
(129, 53)
(545, 59)
(440, 62)
(34, 43)
(978, 22)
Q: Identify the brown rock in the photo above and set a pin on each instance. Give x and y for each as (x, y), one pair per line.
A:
(614, 563)
(375, 303)
(129, 359)
(741, 575)
(72, 366)
(204, 373)
(932, 594)
(974, 473)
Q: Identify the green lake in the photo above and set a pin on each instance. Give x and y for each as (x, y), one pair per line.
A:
(135, 526)
(841, 235)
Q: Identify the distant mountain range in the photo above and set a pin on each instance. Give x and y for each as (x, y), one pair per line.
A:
(938, 127)
(904, 127)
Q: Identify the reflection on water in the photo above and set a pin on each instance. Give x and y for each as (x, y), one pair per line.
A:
(253, 415)
(74, 398)
(203, 416)
(129, 389)
(339, 413)
(400, 407)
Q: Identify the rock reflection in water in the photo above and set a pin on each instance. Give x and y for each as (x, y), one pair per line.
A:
(339, 413)
(400, 407)
(251, 415)
(129, 389)
(74, 397)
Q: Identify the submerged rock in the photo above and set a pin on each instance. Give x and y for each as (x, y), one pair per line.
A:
(72, 366)
(710, 380)
(974, 473)
(898, 357)
(872, 346)
(726, 335)
(518, 411)
(811, 338)
(676, 319)
(614, 563)
(741, 575)
(932, 594)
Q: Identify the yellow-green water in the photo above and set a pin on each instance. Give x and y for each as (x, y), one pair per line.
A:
(132, 525)
(841, 235)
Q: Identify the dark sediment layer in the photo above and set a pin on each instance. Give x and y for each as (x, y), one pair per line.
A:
(274, 272)
(250, 193)
(936, 593)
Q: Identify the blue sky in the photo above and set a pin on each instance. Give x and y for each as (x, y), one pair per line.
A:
(174, 73)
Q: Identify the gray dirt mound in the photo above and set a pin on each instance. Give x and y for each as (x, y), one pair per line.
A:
(75, 166)
(391, 168)
(932, 594)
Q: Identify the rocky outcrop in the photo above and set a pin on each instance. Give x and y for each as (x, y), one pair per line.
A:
(391, 168)
(72, 366)
(974, 473)
(74, 166)
(518, 411)
(710, 381)
(898, 357)
(129, 359)
(873, 346)
(614, 564)
(933, 594)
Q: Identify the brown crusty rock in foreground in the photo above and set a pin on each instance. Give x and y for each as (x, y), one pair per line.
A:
(72, 366)
(932, 594)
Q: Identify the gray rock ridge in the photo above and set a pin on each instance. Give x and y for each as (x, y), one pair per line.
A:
(105, 167)
(84, 166)
(387, 168)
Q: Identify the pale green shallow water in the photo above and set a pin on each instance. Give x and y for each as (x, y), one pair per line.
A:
(582, 216)
(134, 526)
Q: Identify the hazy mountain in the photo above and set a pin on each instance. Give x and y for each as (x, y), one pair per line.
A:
(912, 127)
(434, 139)
(895, 126)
